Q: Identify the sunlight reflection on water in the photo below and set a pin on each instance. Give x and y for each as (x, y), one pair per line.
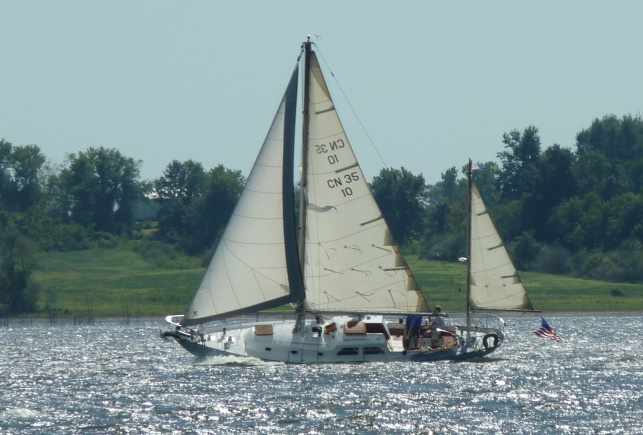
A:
(112, 377)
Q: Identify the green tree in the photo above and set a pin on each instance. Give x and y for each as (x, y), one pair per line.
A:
(596, 173)
(402, 197)
(488, 181)
(554, 181)
(610, 156)
(102, 186)
(524, 250)
(557, 210)
(16, 264)
(615, 139)
(194, 205)
(209, 214)
(581, 222)
(5, 173)
(624, 220)
(21, 173)
(519, 162)
(180, 184)
(448, 204)
(447, 189)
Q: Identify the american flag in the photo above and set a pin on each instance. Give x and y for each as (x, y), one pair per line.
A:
(546, 331)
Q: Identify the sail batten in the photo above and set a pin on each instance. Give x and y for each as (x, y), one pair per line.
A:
(354, 165)
(372, 220)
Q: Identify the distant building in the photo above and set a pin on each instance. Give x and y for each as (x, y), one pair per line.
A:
(145, 209)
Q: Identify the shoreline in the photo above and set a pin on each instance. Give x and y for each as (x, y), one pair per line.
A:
(553, 314)
(592, 313)
(78, 321)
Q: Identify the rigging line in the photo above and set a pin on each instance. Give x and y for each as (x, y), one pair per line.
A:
(351, 106)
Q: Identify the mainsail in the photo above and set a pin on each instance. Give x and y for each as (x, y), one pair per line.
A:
(351, 261)
(494, 283)
(255, 265)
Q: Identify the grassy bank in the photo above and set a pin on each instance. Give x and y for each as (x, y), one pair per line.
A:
(121, 283)
(445, 284)
(115, 282)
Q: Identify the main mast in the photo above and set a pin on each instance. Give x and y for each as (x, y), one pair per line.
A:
(469, 212)
(301, 308)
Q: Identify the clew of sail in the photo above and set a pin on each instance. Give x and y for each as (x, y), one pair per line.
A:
(494, 281)
(351, 261)
(250, 268)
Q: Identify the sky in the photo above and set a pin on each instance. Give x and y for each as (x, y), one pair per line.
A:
(423, 85)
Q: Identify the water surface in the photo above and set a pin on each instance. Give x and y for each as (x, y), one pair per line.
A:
(120, 378)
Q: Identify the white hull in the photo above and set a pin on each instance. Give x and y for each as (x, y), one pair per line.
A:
(341, 339)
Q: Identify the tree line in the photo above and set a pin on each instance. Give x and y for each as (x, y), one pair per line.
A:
(560, 210)
(91, 201)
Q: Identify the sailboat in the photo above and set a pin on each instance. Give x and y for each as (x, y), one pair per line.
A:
(353, 296)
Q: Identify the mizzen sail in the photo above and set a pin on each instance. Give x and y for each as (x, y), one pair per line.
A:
(494, 281)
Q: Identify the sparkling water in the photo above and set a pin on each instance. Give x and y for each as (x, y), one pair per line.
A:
(114, 377)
